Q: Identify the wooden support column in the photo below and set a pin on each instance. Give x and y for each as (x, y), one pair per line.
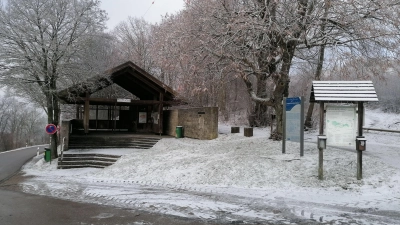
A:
(360, 115)
(86, 116)
(77, 116)
(321, 150)
(97, 116)
(160, 114)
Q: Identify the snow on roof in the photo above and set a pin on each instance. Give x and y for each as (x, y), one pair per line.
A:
(343, 91)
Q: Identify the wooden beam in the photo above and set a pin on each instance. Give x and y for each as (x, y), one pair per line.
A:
(105, 101)
(86, 116)
(160, 114)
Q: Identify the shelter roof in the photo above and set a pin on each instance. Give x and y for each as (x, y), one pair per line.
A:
(343, 91)
(128, 76)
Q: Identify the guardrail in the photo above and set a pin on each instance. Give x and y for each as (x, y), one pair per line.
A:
(382, 130)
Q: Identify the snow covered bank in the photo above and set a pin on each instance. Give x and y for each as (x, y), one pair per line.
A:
(233, 160)
(257, 162)
(244, 167)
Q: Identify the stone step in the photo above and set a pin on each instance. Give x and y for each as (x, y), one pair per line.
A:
(91, 155)
(86, 138)
(69, 161)
(85, 162)
(112, 143)
(107, 146)
(73, 159)
(87, 142)
(80, 166)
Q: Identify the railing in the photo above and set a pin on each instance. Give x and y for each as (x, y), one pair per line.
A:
(382, 130)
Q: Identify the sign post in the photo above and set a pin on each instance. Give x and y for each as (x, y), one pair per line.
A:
(50, 129)
(293, 122)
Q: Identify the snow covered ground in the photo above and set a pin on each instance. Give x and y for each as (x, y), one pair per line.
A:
(242, 179)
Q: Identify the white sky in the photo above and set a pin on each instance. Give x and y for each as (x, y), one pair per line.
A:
(120, 10)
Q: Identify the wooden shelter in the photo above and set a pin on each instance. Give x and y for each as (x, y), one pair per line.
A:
(142, 112)
(354, 92)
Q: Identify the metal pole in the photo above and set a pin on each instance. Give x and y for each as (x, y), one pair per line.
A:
(359, 165)
(321, 150)
(302, 127)
(284, 126)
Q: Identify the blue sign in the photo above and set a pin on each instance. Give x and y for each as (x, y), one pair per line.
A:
(293, 116)
(292, 102)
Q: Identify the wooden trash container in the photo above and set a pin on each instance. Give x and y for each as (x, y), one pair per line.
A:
(235, 130)
(248, 132)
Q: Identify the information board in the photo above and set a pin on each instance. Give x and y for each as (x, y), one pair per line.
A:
(142, 117)
(293, 116)
(341, 124)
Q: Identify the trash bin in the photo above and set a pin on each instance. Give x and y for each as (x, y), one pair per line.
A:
(179, 131)
(47, 154)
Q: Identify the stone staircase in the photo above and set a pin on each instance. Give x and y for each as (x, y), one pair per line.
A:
(85, 142)
(74, 160)
(69, 161)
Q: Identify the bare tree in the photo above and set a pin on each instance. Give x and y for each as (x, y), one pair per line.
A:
(41, 40)
(260, 40)
(20, 124)
(135, 42)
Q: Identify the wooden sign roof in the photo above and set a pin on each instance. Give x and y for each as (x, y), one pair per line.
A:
(343, 91)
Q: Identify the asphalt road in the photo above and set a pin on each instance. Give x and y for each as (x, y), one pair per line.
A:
(19, 208)
(12, 161)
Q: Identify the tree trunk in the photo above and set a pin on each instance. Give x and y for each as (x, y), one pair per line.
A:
(278, 98)
(53, 110)
(259, 116)
(318, 72)
(308, 121)
(320, 64)
(282, 89)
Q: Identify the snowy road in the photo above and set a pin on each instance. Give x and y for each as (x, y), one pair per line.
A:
(224, 205)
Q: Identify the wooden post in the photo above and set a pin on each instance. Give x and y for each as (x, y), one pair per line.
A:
(235, 130)
(248, 131)
(360, 118)
(115, 117)
(97, 116)
(86, 116)
(77, 112)
(321, 150)
(160, 114)
(360, 134)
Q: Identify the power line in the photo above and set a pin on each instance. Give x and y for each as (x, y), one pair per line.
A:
(148, 8)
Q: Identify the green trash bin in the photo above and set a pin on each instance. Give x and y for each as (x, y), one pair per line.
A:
(47, 154)
(179, 131)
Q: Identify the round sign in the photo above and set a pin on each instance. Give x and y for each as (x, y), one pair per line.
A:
(51, 129)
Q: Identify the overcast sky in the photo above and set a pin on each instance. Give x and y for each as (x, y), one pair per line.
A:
(119, 10)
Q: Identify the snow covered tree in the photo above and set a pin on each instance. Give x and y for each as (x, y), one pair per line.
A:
(20, 124)
(135, 42)
(41, 45)
(261, 39)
